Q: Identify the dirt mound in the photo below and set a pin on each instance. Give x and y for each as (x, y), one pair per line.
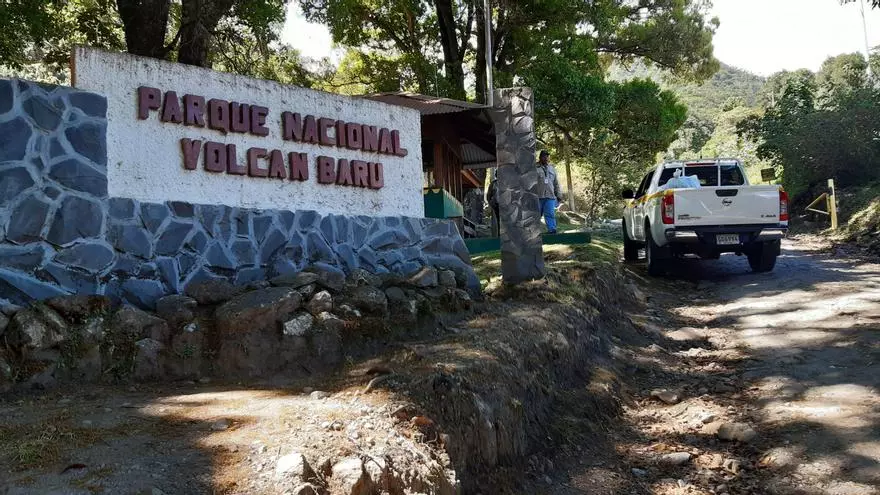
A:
(463, 405)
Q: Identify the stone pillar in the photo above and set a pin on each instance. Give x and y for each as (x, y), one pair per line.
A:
(522, 256)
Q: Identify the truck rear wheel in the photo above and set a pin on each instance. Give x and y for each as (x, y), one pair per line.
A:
(630, 247)
(656, 261)
(762, 258)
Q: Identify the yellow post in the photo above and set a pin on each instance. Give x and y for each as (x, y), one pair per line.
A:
(832, 204)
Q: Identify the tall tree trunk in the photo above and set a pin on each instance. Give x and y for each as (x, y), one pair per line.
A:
(198, 20)
(449, 39)
(145, 23)
(480, 69)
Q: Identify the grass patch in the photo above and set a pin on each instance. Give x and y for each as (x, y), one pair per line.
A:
(603, 248)
(42, 443)
(568, 227)
(861, 209)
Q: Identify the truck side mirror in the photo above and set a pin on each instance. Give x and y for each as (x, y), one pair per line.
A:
(627, 194)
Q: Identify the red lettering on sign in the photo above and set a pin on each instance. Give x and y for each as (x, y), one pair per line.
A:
(377, 176)
(240, 120)
(253, 157)
(194, 109)
(232, 166)
(354, 135)
(171, 109)
(385, 145)
(218, 115)
(215, 157)
(310, 130)
(326, 174)
(395, 139)
(148, 99)
(291, 124)
(361, 173)
(324, 126)
(299, 166)
(258, 120)
(343, 173)
(276, 165)
(371, 138)
(340, 134)
(191, 149)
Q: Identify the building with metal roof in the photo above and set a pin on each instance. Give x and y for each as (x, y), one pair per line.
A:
(458, 144)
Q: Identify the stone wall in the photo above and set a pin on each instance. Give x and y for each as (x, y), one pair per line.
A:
(61, 234)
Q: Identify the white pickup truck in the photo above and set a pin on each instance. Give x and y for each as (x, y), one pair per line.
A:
(723, 215)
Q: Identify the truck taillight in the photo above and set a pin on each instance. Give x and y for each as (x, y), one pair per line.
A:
(783, 206)
(667, 209)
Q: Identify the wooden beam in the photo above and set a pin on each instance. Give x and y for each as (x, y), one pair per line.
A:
(467, 174)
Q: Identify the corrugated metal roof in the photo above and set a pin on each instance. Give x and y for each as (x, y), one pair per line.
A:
(426, 105)
(472, 156)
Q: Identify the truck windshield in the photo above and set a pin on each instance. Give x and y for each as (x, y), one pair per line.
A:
(708, 175)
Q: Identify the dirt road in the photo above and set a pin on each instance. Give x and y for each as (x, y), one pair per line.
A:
(791, 358)
(793, 354)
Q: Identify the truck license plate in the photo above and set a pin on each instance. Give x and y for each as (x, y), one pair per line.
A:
(727, 238)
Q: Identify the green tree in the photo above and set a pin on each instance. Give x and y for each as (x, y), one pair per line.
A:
(26, 25)
(362, 72)
(642, 121)
(239, 50)
(692, 136)
(821, 126)
(46, 30)
(839, 77)
(440, 34)
(400, 33)
(777, 83)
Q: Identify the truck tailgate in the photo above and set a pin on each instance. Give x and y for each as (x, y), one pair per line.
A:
(731, 205)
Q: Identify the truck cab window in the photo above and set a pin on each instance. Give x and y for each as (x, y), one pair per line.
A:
(643, 187)
(731, 176)
(707, 174)
(666, 175)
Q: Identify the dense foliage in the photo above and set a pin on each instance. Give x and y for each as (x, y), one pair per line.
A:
(230, 34)
(820, 126)
(561, 48)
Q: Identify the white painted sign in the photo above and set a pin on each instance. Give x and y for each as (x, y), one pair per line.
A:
(177, 132)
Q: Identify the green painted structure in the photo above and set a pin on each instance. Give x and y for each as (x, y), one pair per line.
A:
(486, 244)
(439, 203)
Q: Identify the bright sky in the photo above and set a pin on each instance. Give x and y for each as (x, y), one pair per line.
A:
(766, 36)
(761, 36)
(312, 40)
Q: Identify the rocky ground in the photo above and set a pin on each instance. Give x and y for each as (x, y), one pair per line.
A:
(457, 406)
(756, 383)
(596, 381)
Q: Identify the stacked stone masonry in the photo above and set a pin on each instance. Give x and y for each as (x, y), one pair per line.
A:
(522, 255)
(61, 234)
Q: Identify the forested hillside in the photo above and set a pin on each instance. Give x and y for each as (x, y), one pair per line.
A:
(714, 109)
(705, 100)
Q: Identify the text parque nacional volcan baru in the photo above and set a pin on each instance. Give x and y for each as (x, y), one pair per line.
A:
(230, 117)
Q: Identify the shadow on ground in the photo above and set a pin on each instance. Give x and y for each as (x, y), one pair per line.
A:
(794, 353)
